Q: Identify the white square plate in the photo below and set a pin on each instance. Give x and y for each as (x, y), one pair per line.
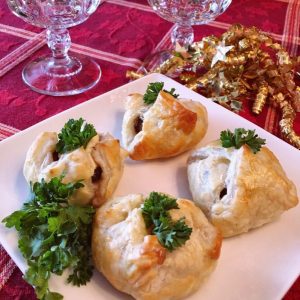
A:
(259, 265)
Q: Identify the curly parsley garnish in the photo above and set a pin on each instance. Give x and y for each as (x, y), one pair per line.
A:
(153, 90)
(170, 234)
(53, 236)
(74, 134)
(241, 137)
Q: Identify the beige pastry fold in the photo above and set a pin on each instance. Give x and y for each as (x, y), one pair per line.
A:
(99, 166)
(135, 262)
(239, 190)
(167, 128)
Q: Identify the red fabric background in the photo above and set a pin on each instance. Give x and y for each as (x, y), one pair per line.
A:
(130, 30)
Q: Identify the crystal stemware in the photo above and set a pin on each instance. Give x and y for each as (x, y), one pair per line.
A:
(60, 74)
(184, 13)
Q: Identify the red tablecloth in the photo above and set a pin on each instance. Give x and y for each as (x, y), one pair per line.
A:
(120, 35)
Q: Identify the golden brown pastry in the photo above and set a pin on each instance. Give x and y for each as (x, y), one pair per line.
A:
(237, 189)
(136, 263)
(166, 128)
(99, 166)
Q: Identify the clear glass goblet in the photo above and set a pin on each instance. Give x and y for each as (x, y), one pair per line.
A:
(185, 13)
(59, 74)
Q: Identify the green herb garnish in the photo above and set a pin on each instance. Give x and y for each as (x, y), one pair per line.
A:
(53, 236)
(241, 137)
(153, 90)
(74, 134)
(155, 211)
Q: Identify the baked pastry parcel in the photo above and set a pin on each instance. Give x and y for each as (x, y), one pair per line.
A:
(165, 128)
(135, 262)
(99, 166)
(237, 189)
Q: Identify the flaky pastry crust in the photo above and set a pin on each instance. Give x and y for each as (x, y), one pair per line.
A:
(103, 155)
(237, 189)
(135, 263)
(169, 127)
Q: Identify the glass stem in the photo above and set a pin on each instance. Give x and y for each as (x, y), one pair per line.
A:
(183, 35)
(59, 41)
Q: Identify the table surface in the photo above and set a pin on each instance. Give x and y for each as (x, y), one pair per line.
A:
(119, 36)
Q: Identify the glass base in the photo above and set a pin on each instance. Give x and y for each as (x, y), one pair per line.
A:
(62, 77)
(157, 59)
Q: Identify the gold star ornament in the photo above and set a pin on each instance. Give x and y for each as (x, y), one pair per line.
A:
(221, 51)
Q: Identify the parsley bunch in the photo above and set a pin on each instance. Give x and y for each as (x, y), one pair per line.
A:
(74, 134)
(170, 234)
(153, 90)
(241, 137)
(53, 236)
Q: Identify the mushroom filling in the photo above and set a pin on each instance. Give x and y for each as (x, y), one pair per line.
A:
(223, 193)
(138, 124)
(55, 156)
(97, 175)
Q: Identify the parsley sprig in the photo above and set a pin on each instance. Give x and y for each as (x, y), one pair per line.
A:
(155, 211)
(153, 90)
(241, 137)
(53, 236)
(74, 134)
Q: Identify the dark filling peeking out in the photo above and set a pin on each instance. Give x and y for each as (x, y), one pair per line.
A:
(138, 124)
(97, 175)
(223, 193)
(55, 156)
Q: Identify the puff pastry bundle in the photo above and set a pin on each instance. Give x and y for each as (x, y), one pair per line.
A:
(136, 263)
(237, 189)
(99, 166)
(166, 128)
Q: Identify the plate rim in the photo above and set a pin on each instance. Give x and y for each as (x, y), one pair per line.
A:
(96, 98)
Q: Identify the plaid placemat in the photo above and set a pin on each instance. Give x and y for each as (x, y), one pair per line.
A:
(120, 35)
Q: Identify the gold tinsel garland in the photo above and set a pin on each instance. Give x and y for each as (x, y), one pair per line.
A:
(243, 62)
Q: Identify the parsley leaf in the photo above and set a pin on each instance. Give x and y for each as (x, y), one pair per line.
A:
(241, 137)
(156, 206)
(74, 134)
(170, 234)
(153, 90)
(54, 235)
